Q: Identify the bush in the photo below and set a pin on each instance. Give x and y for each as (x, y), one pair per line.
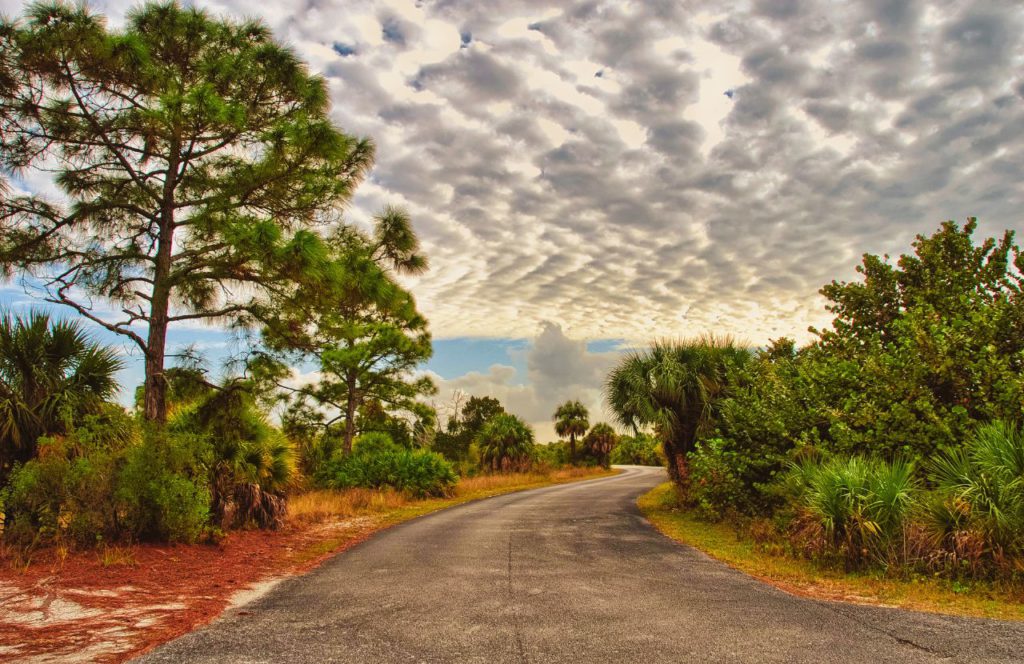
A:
(716, 489)
(163, 490)
(921, 352)
(66, 494)
(862, 507)
(980, 495)
(56, 499)
(379, 463)
(552, 455)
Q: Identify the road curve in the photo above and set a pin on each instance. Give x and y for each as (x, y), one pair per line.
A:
(570, 573)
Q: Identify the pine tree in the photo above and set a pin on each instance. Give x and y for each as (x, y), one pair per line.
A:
(197, 164)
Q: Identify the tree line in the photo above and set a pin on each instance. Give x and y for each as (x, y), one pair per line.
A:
(197, 177)
(892, 439)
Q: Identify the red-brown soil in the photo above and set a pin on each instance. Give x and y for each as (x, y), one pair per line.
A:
(87, 606)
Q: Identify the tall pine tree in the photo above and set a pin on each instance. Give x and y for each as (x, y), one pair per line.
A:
(196, 162)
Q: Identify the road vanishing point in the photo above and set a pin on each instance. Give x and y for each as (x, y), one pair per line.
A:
(568, 573)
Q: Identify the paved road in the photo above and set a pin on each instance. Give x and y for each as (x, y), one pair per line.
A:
(571, 573)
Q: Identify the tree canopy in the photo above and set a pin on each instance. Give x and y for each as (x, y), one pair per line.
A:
(197, 164)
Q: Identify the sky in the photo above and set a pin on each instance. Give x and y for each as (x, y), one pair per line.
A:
(587, 176)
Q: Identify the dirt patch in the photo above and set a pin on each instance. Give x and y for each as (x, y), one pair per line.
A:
(81, 607)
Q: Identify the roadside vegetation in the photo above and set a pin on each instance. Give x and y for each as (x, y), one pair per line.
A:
(889, 445)
(199, 179)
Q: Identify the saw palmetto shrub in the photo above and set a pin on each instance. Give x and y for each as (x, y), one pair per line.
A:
(857, 510)
(976, 514)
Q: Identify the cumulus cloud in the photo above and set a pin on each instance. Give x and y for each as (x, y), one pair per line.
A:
(558, 368)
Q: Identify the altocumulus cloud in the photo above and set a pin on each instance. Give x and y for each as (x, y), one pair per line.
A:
(585, 164)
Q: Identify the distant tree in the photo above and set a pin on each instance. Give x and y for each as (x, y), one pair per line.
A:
(642, 450)
(197, 159)
(506, 442)
(600, 441)
(676, 388)
(464, 424)
(51, 375)
(478, 411)
(571, 422)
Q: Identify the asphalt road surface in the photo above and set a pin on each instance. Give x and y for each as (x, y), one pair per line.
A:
(570, 573)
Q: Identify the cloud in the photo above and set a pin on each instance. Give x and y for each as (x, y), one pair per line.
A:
(584, 164)
(558, 369)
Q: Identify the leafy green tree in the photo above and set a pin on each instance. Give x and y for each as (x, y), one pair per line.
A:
(922, 352)
(478, 411)
(600, 441)
(196, 158)
(571, 422)
(675, 387)
(506, 442)
(52, 375)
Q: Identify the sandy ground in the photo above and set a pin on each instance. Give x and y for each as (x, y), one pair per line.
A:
(83, 606)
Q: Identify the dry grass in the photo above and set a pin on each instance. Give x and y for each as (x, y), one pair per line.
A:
(113, 556)
(502, 481)
(316, 506)
(803, 577)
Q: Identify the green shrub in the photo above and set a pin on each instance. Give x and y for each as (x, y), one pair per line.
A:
(66, 493)
(715, 487)
(53, 499)
(861, 506)
(552, 455)
(980, 489)
(163, 489)
(922, 350)
(378, 464)
(375, 442)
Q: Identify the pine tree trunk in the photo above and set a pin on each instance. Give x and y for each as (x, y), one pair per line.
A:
(155, 390)
(155, 387)
(350, 416)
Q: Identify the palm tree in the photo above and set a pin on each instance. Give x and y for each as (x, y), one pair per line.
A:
(674, 387)
(571, 420)
(51, 374)
(600, 441)
(505, 442)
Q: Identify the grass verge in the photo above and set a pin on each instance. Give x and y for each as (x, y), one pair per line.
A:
(724, 542)
(383, 508)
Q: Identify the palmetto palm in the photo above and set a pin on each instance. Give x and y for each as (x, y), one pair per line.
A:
(600, 441)
(51, 373)
(674, 387)
(505, 442)
(571, 421)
